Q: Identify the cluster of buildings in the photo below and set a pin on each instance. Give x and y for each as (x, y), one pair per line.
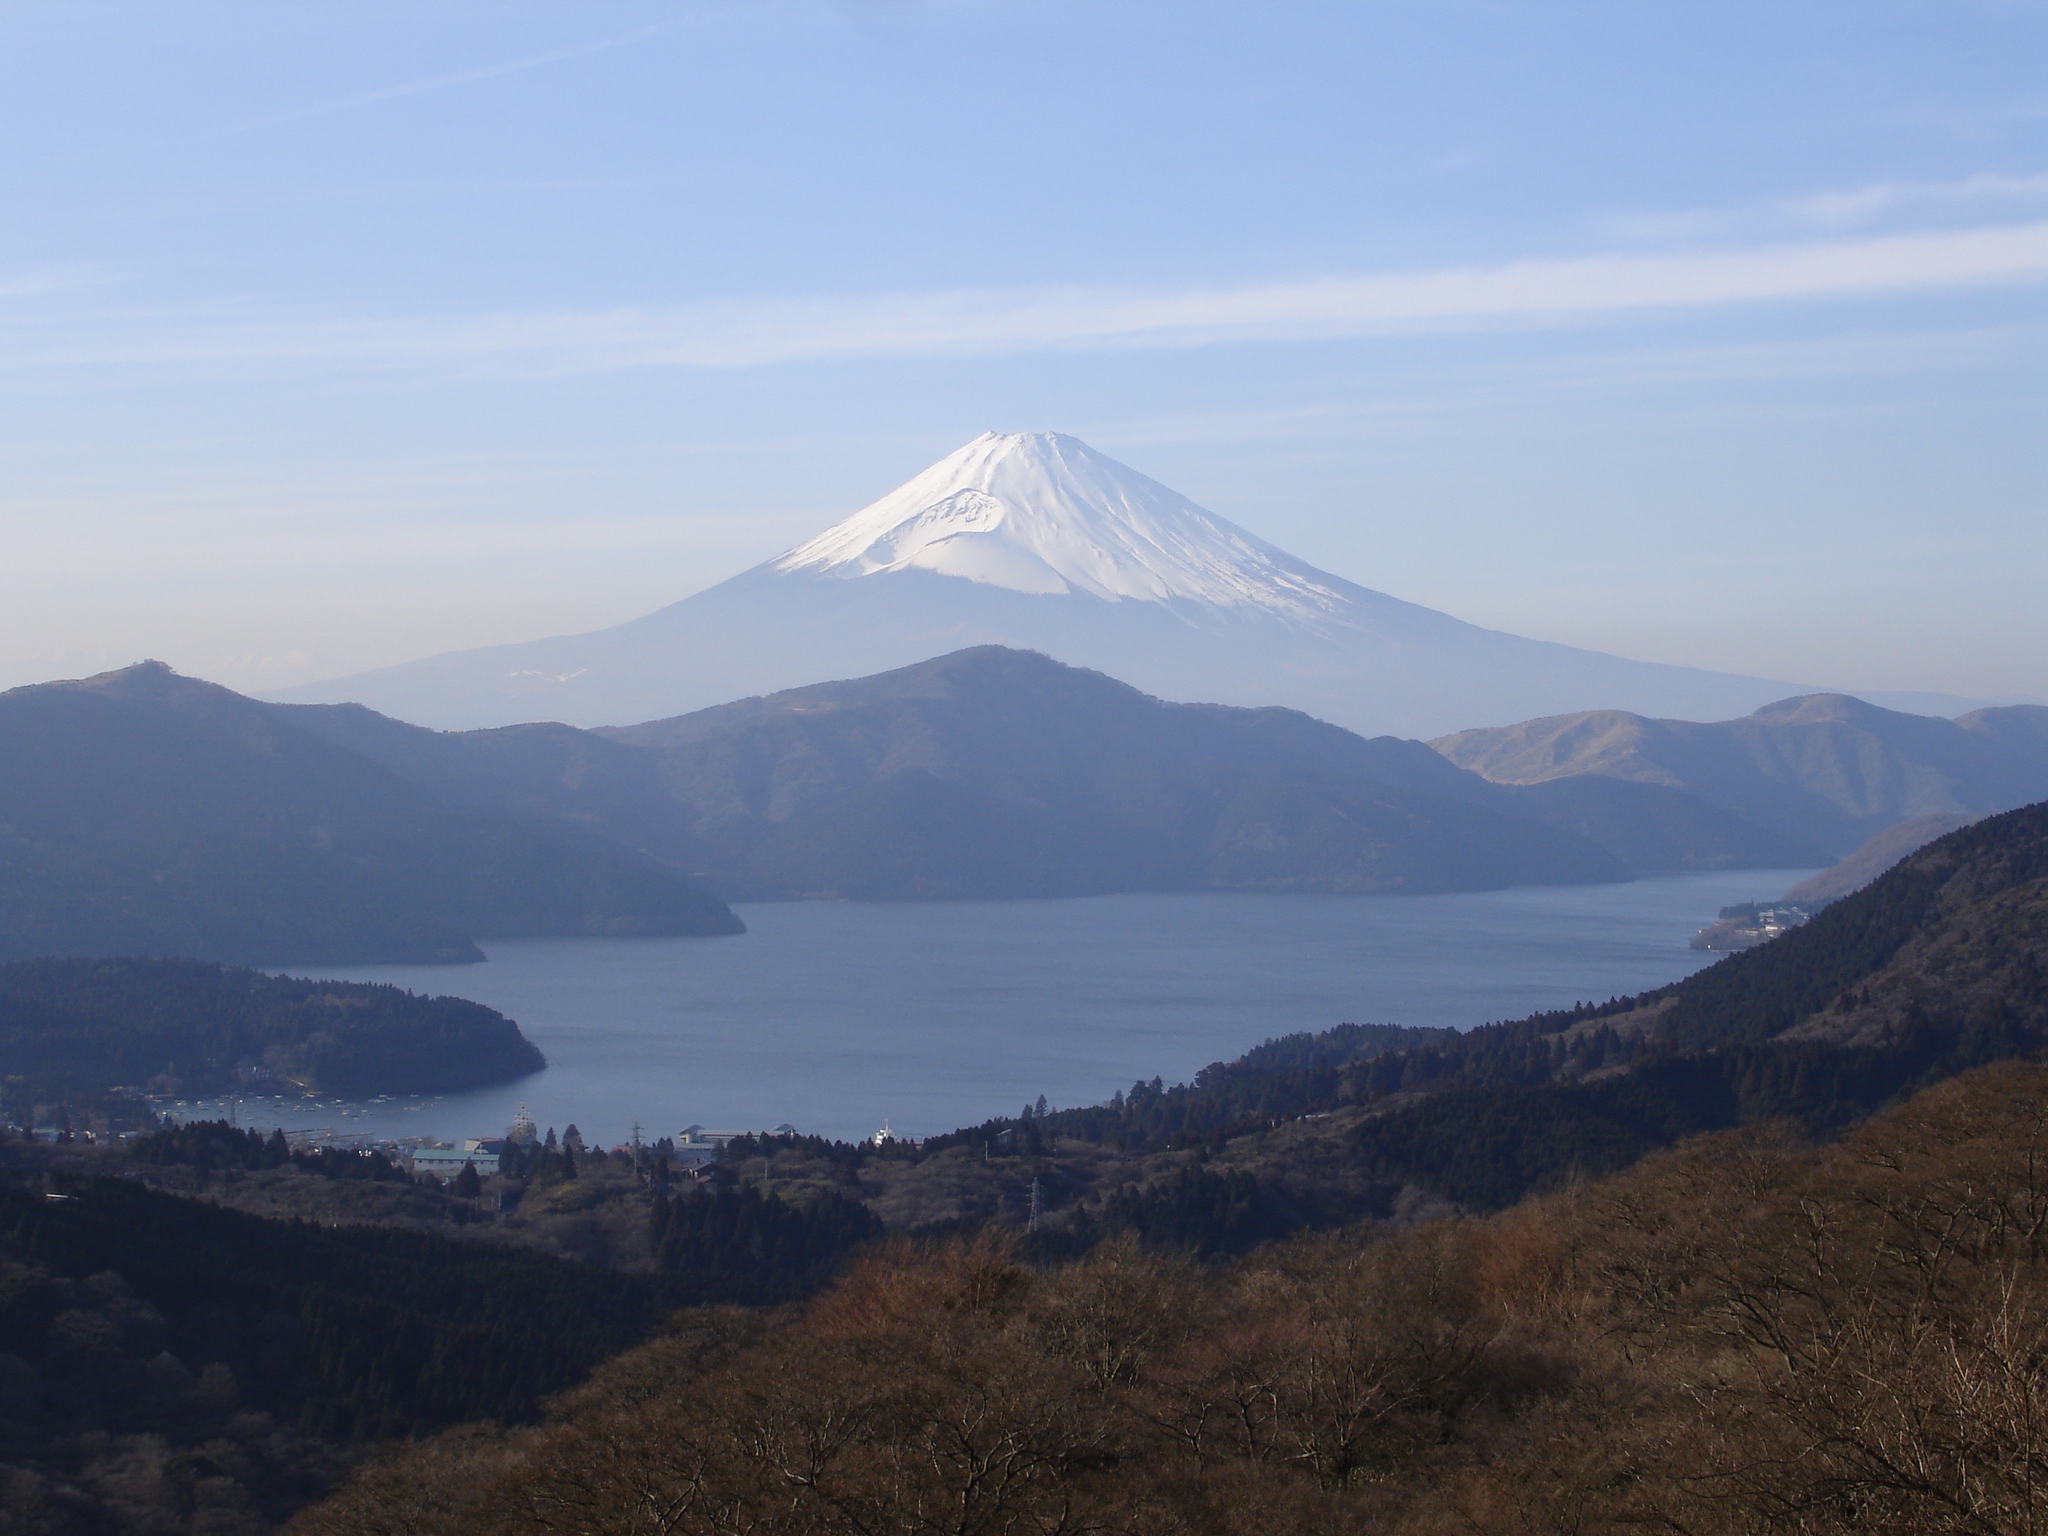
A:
(696, 1146)
(486, 1154)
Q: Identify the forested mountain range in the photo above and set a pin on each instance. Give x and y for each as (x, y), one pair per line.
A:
(1825, 767)
(143, 813)
(996, 772)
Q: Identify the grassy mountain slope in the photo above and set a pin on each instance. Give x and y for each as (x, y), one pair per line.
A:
(1826, 767)
(1872, 858)
(148, 814)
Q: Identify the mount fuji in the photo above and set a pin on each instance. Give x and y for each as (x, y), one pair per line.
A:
(1034, 540)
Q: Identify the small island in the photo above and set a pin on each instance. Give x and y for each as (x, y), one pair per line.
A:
(97, 1037)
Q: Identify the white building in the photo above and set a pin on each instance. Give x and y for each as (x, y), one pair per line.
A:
(698, 1136)
(447, 1162)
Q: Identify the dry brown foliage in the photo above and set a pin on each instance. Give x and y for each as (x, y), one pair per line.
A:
(1746, 1335)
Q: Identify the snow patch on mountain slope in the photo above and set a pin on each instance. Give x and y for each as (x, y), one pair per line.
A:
(1043, 513)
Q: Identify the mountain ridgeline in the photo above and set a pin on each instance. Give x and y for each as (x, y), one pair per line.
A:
(143, 813)
(1827, 768)
(148, 814)
(995, 772)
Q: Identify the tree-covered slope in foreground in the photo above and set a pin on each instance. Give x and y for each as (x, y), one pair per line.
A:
(144, 813)
(1936, 967)
(1745, 1337)
(75, 1029)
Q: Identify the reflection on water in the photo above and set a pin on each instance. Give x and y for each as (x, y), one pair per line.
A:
(835, 1016)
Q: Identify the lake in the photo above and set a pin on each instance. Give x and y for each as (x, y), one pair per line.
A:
(838, 1016)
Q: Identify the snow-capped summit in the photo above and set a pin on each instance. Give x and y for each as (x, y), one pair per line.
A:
(1035, 540)
(1044, 513)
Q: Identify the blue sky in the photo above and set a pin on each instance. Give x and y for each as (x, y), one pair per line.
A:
(332, 335)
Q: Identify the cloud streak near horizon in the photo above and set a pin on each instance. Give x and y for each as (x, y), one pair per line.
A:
(745, 333)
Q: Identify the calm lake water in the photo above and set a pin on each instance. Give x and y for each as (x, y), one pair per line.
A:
(836, 1016)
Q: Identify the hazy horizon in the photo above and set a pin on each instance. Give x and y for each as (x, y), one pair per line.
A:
(342, 336)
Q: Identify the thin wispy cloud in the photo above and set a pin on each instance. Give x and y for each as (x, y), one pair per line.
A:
(461, 77)
(1980, 122)
(41, 283)
(754, 333)
(1866, 203)
(1836, 210)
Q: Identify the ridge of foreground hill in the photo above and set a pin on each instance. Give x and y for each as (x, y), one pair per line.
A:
(1826, 767)
(1934, 968)
(997, 772)
(144, 813)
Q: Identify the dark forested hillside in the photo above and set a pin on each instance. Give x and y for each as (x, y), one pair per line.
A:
(166, 1365)
(1282, 1079)
(144, 813)
(72, 1030)
(999, 772)
(1935, 968)
(172, 1365)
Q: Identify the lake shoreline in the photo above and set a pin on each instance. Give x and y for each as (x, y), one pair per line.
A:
(837, 1016)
